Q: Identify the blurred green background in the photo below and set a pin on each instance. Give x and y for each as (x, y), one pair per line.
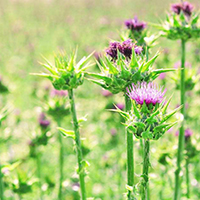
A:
(30, 29)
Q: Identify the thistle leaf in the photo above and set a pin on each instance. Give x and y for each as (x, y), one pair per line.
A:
(166, 105)
(67, 133)
(134, 62)
(99, 76)
(112, 68)
(148, 64)
(170, 114)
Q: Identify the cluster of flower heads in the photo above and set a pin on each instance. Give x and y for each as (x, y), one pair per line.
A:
(145, 93)
(186, 7)
(125, 48)
(43, 122)
(135, 25)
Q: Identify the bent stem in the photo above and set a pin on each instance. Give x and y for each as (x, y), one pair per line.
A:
(181, 132)
(78, 145)
(1, 183)
(61, 163)
(130, 154)
(145, 175)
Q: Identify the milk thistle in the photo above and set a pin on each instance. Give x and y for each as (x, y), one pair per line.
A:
(147, 120)
(67, 74)
(58, 108)
(120, 67)
(182, 24)
(137, 31)
(41, 140)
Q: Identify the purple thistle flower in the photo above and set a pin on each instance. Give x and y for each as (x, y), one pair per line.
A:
(138, 49)
(112, 50)
(162, 76)
(135, 25)
(121, 106)
(176, 8)
(126, 48)
(188, 133)
(58, 93)
(187, 8)
(44, 123)
(106, 93)
(145, 93)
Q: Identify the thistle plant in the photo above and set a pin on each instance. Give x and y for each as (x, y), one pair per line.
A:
(57, 107)
(147, 120)
(67, 74)
(34, 148)
(191, 78)
(138, 32)
(119, 70)
(190, 153)
(122, 65)
(182, 24)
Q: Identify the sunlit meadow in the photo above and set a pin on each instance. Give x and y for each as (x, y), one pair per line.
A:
(99, 100)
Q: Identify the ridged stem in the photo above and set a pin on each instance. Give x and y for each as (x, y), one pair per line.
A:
(78, 145)
(181, 138)
(61, 163)
(146, 163)
(130, 154)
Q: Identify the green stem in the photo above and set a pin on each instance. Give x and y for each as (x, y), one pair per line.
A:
(1, 184)
(38, 160)
(187, 177)
(181, 132)
(130, 154)
(61, 163)
(146, 163)
(78, 145)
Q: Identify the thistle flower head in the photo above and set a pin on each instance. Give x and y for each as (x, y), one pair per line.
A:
(187, 8)
(138, 50)
(124, 48)
(145, 93)
(182, 24)
(148, 117)
(176, 8)
(67, 73)
(112, 50)
(135, 25)
(43, 122)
